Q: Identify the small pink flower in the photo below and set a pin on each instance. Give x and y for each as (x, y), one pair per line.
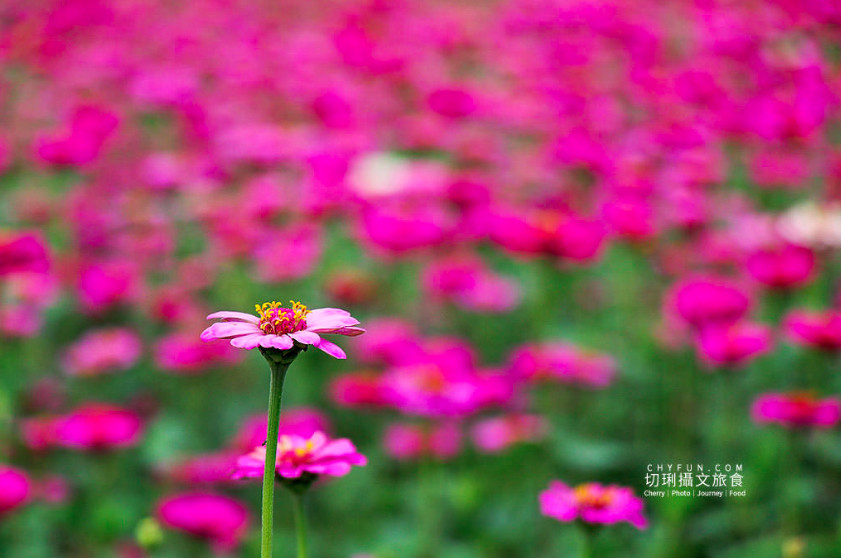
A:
(592, 503)
(782, 267)
(220, 520)
(821, 330)
(301, 421)
(15, 489)
(702, 301)
(494, 435)
(182, 353)
(96, 427)
(797, 409)
(281, 328)
(562, 362)
(297, 455)
(23, 252)
(407, 441)
(102, 351)
(735, 344)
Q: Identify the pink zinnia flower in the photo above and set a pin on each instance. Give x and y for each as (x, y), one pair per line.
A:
(782, 267)
(557, 360)
(702, 301)
(101, 351)
(592, 503)
(23, 252)
(821, 330)
(15, 489)
(796, 409)
(732, 345)
(97, 426)
(182, 353)
(300, 421)
(407, 441)
(218, 519)
(495, 434)
(280, 328)
(297, 455)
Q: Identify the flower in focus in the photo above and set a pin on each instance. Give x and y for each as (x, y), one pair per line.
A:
(797, 409)
(220, 520)
(101, 351)
(281, 328)
(15, 489)
(297, 456)
(592, 503)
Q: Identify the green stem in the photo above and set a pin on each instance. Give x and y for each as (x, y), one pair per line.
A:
(300, 524)
(275, 394)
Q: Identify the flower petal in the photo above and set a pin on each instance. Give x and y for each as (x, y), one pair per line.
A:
(330, 323)
(305, 337)
(223, 330)
(330, 348)
(247, 341)
(282, 342)
(226, 315)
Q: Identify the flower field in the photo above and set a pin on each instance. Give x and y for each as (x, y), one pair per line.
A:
(501, 279)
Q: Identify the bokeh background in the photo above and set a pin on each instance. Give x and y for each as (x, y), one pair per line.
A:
(585, 236)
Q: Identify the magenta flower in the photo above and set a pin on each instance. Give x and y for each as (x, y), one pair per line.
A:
(496, 434)
(91, 427)
(102, 351)
(407, 441)
(220, 520)
(22, 252)
(820, 330)
(15, 489)
(796, 409)
(281, 328)
(732, 345)
(592, 503)
(297, 455)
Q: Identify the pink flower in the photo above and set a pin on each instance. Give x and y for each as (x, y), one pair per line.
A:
(407, 441)
(210, 468)
(592, 503)
(496, 434)
(730, 345)
(783, 267)
(297, 455)
(23, 252)
(705, 300)
(91, 427)
(15, 489)
(102, 351)
(281, 328)
(220, 520)
(468, 283)
(182, 353)
(301, 421)
(357, 389)
(821, 330)
(562, 362)
(797, 409)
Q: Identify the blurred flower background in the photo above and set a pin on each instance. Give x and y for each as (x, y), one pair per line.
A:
(585, 237)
